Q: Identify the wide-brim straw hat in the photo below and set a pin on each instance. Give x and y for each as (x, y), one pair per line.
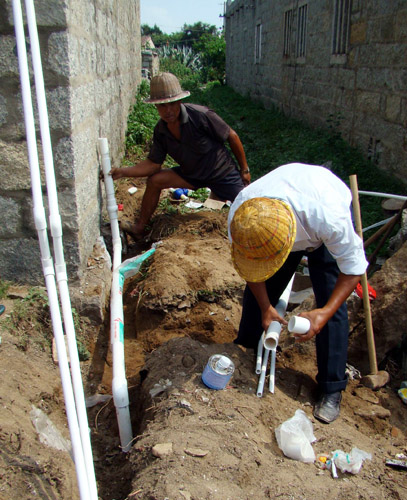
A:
(263, 234)
(165, 88)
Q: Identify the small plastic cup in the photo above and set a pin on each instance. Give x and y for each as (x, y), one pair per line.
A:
(299, 325)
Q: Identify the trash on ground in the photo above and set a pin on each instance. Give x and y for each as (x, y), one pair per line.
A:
(214, 204)
(397, 464)
(193, 204)
(352, 372)
(160, 387)
(96, 399)
(48, 433)
(294, 437)
(350, 462)
(403, 394)
(132, 190)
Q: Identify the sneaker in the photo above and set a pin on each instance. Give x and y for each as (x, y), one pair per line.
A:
(328, 406)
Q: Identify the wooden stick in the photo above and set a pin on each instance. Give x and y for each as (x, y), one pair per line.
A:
(363, 280)
(392, 223)
(378, 233)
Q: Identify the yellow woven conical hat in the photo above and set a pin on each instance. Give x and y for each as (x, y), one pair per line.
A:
(263, 234)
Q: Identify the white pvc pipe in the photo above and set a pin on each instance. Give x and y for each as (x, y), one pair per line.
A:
(56, 232)
(269, 341)
(119, 382)
(262, 377)
(46, 259)
(384, 195)
(272, 374)
(274, 330)
(259, 354)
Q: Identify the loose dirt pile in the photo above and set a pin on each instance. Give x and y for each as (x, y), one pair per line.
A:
(191, 442)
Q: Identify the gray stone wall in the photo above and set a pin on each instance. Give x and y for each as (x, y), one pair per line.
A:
(364, 91)
(91, 57)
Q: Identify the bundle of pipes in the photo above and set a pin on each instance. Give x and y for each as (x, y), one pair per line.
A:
(268, 343)
(70, 375)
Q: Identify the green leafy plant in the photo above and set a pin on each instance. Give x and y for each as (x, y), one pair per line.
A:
(4, 286)
(141, 121)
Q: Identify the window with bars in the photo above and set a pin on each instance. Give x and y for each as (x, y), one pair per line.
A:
(341, 26)
(257, 43)
(288, 28)
(301, 31)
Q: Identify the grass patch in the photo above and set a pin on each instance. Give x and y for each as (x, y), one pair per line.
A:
(271, 139)
(30, 324)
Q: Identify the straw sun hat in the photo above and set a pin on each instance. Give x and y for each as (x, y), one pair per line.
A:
(165, 88)
(263, 233)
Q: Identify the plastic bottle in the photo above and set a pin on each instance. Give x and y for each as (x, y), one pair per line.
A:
(180, 193)
(218, 371)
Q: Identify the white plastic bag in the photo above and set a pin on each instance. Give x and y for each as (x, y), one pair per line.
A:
(294, 437)
(350, 462)
(48, 433)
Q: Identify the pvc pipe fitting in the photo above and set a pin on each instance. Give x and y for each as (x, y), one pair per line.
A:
(298, 325)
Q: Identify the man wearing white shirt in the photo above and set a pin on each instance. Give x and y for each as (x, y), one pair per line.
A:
(294, 211)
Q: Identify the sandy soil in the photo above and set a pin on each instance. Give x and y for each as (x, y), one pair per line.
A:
(180, 309)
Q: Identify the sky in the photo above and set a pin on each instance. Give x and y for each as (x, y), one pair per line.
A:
(171, 15)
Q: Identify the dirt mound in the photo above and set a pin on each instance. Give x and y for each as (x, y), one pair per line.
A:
(190, 442)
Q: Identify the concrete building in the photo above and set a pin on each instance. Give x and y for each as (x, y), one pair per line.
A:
(149, 58)
(91, 58)
(341, 62)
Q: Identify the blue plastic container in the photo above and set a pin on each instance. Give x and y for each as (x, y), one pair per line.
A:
(218, 371)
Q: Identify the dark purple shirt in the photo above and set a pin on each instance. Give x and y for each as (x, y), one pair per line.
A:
(201, 153)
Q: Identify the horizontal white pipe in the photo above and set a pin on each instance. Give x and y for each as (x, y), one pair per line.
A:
(48, 268)
(384, 195)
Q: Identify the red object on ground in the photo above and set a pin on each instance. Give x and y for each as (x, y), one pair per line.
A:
(371, 291)
(120, 207)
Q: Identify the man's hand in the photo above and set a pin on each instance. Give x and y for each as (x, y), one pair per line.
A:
(317, 319)
(116, 173)
(269, 315)
(245, 175)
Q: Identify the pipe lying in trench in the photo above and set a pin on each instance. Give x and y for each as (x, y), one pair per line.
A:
(268, 342)
(71, 378)
(120, 271)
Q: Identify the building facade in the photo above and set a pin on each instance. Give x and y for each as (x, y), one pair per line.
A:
(91, 58)
(339, 63)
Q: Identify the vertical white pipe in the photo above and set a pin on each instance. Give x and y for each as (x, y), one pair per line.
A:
(119, 382)
(259, 354)
(272, 375)
(48, 268)
(56, 232)
(263, 373)
(270, 342)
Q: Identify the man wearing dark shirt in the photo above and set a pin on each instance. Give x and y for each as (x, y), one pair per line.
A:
(194, 136)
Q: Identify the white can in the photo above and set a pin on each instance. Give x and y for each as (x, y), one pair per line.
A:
(218, 371)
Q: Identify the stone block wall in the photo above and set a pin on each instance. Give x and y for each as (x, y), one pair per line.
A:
(363, 92)
(91, 58)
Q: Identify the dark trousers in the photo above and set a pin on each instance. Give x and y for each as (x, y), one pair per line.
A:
(332, 341)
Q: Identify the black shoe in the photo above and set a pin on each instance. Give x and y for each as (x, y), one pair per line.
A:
(328, 406)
